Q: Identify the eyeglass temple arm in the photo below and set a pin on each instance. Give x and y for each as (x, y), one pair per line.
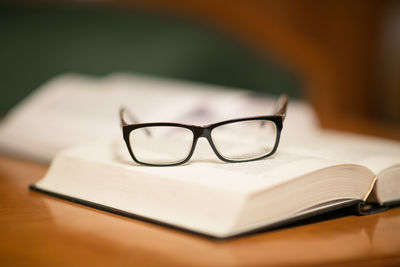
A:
(123, 122)
(122, 112)
(281, 106)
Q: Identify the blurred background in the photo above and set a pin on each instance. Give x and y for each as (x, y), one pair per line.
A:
(341, 56)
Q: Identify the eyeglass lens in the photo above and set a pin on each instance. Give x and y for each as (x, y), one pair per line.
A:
(161, 144)
(244, 140)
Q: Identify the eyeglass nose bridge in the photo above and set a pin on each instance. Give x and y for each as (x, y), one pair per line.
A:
(202, 131)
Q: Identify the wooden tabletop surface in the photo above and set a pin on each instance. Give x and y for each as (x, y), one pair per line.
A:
(37, 229)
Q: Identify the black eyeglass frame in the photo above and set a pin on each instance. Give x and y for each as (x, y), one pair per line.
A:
(205, 131)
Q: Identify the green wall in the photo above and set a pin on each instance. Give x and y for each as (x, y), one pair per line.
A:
(38, 42)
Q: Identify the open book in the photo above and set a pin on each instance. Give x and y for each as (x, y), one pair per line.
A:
(215, 198)
(313, 171)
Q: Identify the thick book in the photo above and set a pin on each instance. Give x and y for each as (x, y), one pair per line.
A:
(220, 199)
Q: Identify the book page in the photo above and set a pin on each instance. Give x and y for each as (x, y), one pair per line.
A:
(204, 195)
(56, 116)
(246, 176)
(375, 153)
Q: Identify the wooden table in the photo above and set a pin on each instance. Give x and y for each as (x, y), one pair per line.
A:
(37, 229)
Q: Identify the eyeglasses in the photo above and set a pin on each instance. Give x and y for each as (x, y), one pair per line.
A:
(236, 140)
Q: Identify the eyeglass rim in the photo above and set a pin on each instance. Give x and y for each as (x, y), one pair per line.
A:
(203, 131)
